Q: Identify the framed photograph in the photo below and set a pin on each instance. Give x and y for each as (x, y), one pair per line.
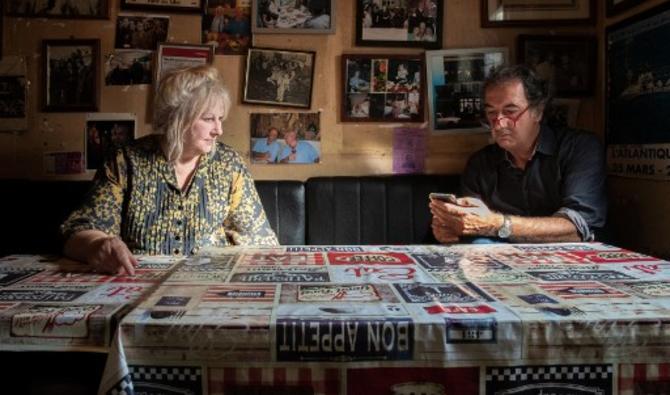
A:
(13, 94)
(382, 88)
(70, 75)
(287, 137)
(562, 113)
(79, 9)
(129, 67)
(501, 13)
(455, 78)
(227, 26)
(279, 77)
(176, 56)
(293, 16)
(140, 32)
(636, 97)
(104, 133)
(614, 7)
(400, 23)
(568, 63)
(185, 6)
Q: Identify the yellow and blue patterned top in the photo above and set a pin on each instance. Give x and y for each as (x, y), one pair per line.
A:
(135, 196)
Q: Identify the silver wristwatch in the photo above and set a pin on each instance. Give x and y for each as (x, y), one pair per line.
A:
(505, 230)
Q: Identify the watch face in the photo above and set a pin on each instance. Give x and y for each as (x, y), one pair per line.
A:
(506, 229)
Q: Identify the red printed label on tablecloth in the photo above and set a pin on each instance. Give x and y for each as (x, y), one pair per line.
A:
(279, 259)
(619, 256)
(53, 321)
(141, 276)
(408, 381)
(70, 277)
(377, 274)
(116, 293)
(451, 309)
(239, 293)
(369, 258)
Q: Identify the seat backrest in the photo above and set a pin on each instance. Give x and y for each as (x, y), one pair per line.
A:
(373, 209)
(284, 204)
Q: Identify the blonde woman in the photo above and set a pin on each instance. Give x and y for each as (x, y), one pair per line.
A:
(174, 192)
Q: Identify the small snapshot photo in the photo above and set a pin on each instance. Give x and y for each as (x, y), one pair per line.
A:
(104, 134)
(382, 88)
(289, 137)
(70, 75)
(410, 23)
(227, 26)
(128, 67)
(12, 97)
(141, 32)
(74, 9)
(279, 77)
(568, 63)
(293, 16)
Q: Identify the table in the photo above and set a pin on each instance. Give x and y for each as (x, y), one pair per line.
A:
(49, 303)
(581, 318)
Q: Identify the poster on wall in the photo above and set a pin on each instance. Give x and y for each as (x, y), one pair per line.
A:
(104, 133)
(13, 94)
(637, 123)
(290, 138)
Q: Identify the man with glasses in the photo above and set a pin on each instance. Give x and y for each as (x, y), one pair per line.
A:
(535, 184)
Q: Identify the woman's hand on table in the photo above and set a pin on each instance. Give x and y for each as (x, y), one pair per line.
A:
(111, 255)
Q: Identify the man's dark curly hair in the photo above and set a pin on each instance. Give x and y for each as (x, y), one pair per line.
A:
(536, 89)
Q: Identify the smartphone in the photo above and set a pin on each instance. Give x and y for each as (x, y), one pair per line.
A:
(445, 197)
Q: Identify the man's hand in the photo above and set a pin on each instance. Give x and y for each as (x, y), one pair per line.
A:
(469, 217)
(111, 255)
(443, 234)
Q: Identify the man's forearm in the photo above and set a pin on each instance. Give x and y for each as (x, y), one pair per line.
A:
(543, 230)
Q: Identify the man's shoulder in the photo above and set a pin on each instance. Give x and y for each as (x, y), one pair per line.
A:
(575, 137)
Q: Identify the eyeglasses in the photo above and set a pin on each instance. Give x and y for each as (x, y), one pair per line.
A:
(507, 121)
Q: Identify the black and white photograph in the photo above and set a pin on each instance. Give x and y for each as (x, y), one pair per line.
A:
(104, 134)
(141, 32)
(128, 67)
(293, 16)
(70, 76)
(455, 78)
(567, 63)
(12, 96)
(279, 77)
(227, 26)
(64, 9)
(181, 6)
(288, 137)
(406, 23)
(382, 88)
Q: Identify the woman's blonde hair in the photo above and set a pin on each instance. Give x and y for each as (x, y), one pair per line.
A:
(182, 97)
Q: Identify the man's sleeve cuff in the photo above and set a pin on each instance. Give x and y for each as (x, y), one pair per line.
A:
(577, 220)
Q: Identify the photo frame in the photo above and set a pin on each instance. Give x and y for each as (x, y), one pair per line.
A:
(412, 23)
(92, 9)
(279, 77)
(180, 6)
(567, 63)
(636, 94)
(227, 26)
(14, 94)
(503, 13)
(70, 75)
(454, 84)
(104, 133)
(382, 88)
(170, 56)
(615, 7)
(285, 137)
(295, 16)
